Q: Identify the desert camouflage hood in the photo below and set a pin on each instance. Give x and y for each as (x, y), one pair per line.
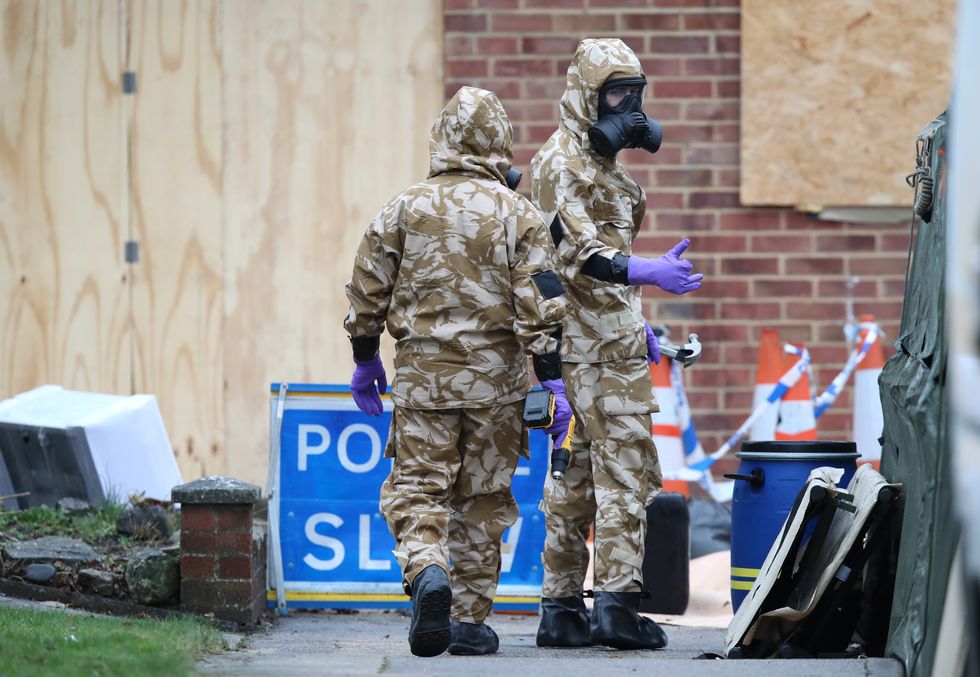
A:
(595, 61)
(472, 134)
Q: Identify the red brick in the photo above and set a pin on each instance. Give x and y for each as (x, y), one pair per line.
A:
(728, 89)
(724, 133)
(681, 89)
(724, 288)
(677, 133)
(713, 21)
(895, 287)
(668, 155)
(458, 45)
(727, 178)
(749, 266)
(234, 517)
(537, 134)
(878, 266)
(458, 68)
(782, 287)
(750, 310)
(716, 199)
(672, 310)
(684, 177)
(897, 242)
(845, 243)
(233, 542)
(553, 4)
(197, 542)
(234, 567)
(687, 44)
(723, 244)
(685, 221)
(728, 44)
(714, 110)
(658, 200)
(730, 376)
(522, 67)
(497, 4)
(650, 22)
(520, 23)
(723, 332)
(466, 23)
(196, 517)
(800, 220)
(582, 23)
(810, 266)
(503, 88)
(684, 3)
(769, 220)
(713, 66)
(496, 46)
(521, 111)
(192, 566)
(635, 42)
(545, 88)
(739, 400)
(663, 111)
(816, 310)
(831, 288)
(458, 4)
(660, 67)
(782, 243)
(703, 400)
(617, 3)
(555, 44)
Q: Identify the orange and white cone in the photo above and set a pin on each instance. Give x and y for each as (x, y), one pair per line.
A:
(767, 374)
(796, 419)
(868, 422)
(666, 427)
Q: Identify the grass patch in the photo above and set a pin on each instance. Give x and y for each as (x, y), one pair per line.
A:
(55, 643)
(43, 520)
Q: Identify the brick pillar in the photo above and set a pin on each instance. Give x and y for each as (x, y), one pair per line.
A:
(222, 562)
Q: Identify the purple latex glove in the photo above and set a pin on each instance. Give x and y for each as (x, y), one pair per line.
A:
(669, 272)
(653, 346)
(563, 411)
(366, 397)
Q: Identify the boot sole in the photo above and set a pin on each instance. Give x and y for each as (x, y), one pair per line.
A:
(432, 634)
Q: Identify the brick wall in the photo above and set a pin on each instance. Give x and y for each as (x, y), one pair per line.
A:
(763, 267)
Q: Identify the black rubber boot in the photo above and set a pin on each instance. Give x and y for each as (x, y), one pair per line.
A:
(564, 622)
(616, 623)
(473, 639)
(428, 635)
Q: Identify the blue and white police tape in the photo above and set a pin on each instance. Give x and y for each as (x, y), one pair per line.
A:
(827, 397)
(695, 471)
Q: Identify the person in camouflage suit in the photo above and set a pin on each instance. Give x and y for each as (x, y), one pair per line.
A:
(595, 209)
(461, 271)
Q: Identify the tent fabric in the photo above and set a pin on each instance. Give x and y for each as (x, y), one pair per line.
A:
(915, 449)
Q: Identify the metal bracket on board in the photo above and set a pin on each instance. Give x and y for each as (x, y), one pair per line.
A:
(274, 563)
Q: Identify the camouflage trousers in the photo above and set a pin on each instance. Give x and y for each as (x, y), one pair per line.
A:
(613, 475)
(448, 496)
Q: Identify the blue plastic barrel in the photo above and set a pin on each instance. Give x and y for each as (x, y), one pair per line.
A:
(769, 478)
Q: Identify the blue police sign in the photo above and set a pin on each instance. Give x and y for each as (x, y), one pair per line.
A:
(329, 545)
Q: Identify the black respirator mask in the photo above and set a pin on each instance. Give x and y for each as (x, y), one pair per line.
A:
(513, 178)
(624, 125)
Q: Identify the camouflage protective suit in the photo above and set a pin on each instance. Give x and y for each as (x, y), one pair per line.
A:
(461, 271)
(614, 471)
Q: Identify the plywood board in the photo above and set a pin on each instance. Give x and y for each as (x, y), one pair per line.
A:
(63, 289)
(833, 96)
(176, 203)
(328, 107)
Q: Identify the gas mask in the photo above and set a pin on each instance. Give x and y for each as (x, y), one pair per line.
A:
(513, 178)
(622, 123)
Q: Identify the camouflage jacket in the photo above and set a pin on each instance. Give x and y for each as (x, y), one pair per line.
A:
(461, 269)
(600, 206)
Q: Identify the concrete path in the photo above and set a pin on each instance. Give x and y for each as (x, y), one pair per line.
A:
(374, 643)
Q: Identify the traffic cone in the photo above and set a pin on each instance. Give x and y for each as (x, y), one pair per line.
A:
(666, 430)
(796, 419)
(767, 374)
(867, 401)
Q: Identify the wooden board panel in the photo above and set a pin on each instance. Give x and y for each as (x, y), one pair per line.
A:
(176, 198)
(833, 98)
(328, 107)
(63, 288)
